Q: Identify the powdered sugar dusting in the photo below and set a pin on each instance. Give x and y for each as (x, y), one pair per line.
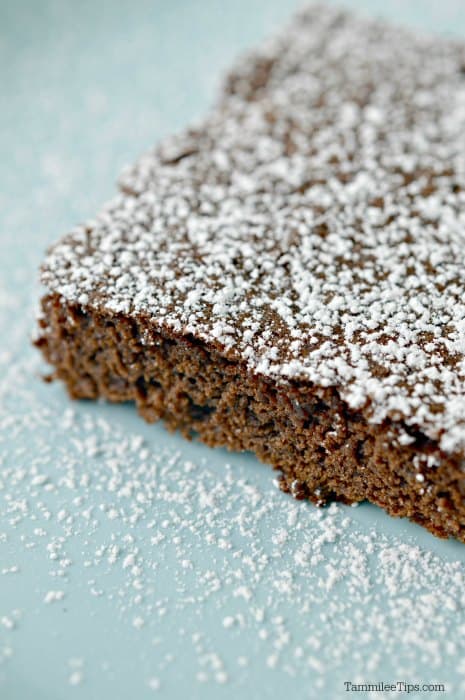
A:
(312, 225)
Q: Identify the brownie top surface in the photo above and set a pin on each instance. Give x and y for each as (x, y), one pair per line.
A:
(313, 225)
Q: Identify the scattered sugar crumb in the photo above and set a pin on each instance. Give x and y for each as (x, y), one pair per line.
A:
(154, 683)
(53, 596)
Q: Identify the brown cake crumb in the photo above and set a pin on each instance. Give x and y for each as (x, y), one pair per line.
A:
(287, 277)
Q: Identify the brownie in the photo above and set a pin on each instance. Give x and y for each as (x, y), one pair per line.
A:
(287, 277)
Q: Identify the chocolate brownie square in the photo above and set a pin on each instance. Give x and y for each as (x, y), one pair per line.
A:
(288, 277)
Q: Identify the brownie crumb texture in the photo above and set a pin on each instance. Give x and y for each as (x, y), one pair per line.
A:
(287, 276)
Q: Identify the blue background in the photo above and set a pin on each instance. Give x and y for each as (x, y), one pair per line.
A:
(84, 88)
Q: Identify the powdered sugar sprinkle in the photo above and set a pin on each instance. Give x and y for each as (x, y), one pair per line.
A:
(311, 225)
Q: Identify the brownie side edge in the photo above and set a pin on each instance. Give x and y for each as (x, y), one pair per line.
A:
(324, 450)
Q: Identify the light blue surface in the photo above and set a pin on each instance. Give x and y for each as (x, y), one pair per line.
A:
(84, 88)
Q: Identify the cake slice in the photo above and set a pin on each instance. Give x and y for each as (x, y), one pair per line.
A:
(288, 277)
